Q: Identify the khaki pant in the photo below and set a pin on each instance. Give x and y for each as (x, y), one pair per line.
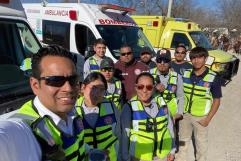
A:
(134, 159)
(187, 127)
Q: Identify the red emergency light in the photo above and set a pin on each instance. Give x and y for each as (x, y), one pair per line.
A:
(189, 26)
(105, 7)
(4, 1)
(73, 15)
(155, 23)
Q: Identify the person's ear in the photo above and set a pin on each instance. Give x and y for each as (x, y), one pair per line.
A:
(82, 88)
(35, 85)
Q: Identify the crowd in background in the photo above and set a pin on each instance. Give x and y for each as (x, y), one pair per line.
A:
(227, 42)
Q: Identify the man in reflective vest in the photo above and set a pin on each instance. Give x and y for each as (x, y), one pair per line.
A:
(51, 114)
(168, 83)
(114, 87)
(92, 64)
(202, 90)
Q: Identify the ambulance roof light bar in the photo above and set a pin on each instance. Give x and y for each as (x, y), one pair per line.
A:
(125, 10)
(4, 1)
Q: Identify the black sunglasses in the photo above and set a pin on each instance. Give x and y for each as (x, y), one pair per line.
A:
(59, 81)
(125, 54)
(163, 60)
(180, 52)
(107, 69)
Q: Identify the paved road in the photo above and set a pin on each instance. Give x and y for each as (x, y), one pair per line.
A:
(225, 128)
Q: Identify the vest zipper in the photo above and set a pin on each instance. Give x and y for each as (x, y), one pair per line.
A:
(155, 137)
(94, 139)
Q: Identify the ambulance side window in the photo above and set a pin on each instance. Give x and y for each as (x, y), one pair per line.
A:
(84, 38)
(180, 38)
(56, 33)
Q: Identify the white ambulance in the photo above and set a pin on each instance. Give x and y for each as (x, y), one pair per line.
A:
(76, 26)
(17, 43)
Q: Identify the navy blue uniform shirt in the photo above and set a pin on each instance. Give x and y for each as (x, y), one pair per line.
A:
(215, 86)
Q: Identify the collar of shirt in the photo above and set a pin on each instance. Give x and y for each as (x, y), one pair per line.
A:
(62, 124)
(98, 60)
(195, 78)
(88, 110)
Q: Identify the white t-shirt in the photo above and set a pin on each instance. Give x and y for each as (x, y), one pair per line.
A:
(17, 142)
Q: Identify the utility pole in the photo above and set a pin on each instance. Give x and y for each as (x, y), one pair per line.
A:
(169, 8)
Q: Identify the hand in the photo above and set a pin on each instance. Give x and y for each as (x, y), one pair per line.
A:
(170, 157)
(204, 122)
(160, 87)
(177, 117)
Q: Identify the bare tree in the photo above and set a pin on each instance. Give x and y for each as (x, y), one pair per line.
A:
(231, 14)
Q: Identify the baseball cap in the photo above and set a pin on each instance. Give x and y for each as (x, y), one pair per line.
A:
(107, 63)
(146, 50)
(163, 54)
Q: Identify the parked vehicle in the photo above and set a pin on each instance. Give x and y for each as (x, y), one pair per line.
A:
(17, 43)
(165, 32)
(76, 26)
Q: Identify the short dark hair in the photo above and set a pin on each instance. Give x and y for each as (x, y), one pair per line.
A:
(125, 46)
(51, 50)
(145, 74)
(95, 76)
(100, 41)
(181, 46)
(198, 51)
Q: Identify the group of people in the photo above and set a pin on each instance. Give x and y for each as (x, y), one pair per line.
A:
(222, 42)
(137, 110)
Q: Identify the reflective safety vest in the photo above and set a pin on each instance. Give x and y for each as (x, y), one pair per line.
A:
(198, 98)
(94, 67)
(26, 64)
(115, 97)
(55, 144)
(149, 137)
(169, 94)
(101, 137)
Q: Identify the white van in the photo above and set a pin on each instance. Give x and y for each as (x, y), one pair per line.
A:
(76, 26)
(17, 42)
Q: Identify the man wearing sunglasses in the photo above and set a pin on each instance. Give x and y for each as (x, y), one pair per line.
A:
(51, 115)
(127, 70)
(168, 83)
(92, 64)
(180, 64)
(114, 86)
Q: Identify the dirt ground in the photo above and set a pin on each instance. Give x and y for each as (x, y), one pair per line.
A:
(225, 128)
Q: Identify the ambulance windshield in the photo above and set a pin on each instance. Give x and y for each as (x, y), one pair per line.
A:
(201, 40)
(116, 36)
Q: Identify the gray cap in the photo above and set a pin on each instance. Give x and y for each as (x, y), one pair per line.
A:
(107, 63)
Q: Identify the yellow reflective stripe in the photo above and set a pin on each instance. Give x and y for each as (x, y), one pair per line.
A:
(75, 146)
(27, 109)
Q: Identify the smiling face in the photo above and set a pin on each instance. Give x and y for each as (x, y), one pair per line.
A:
(198, 62)
(144, 89)
(100, 50)
(180, 54)
(59, 100)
